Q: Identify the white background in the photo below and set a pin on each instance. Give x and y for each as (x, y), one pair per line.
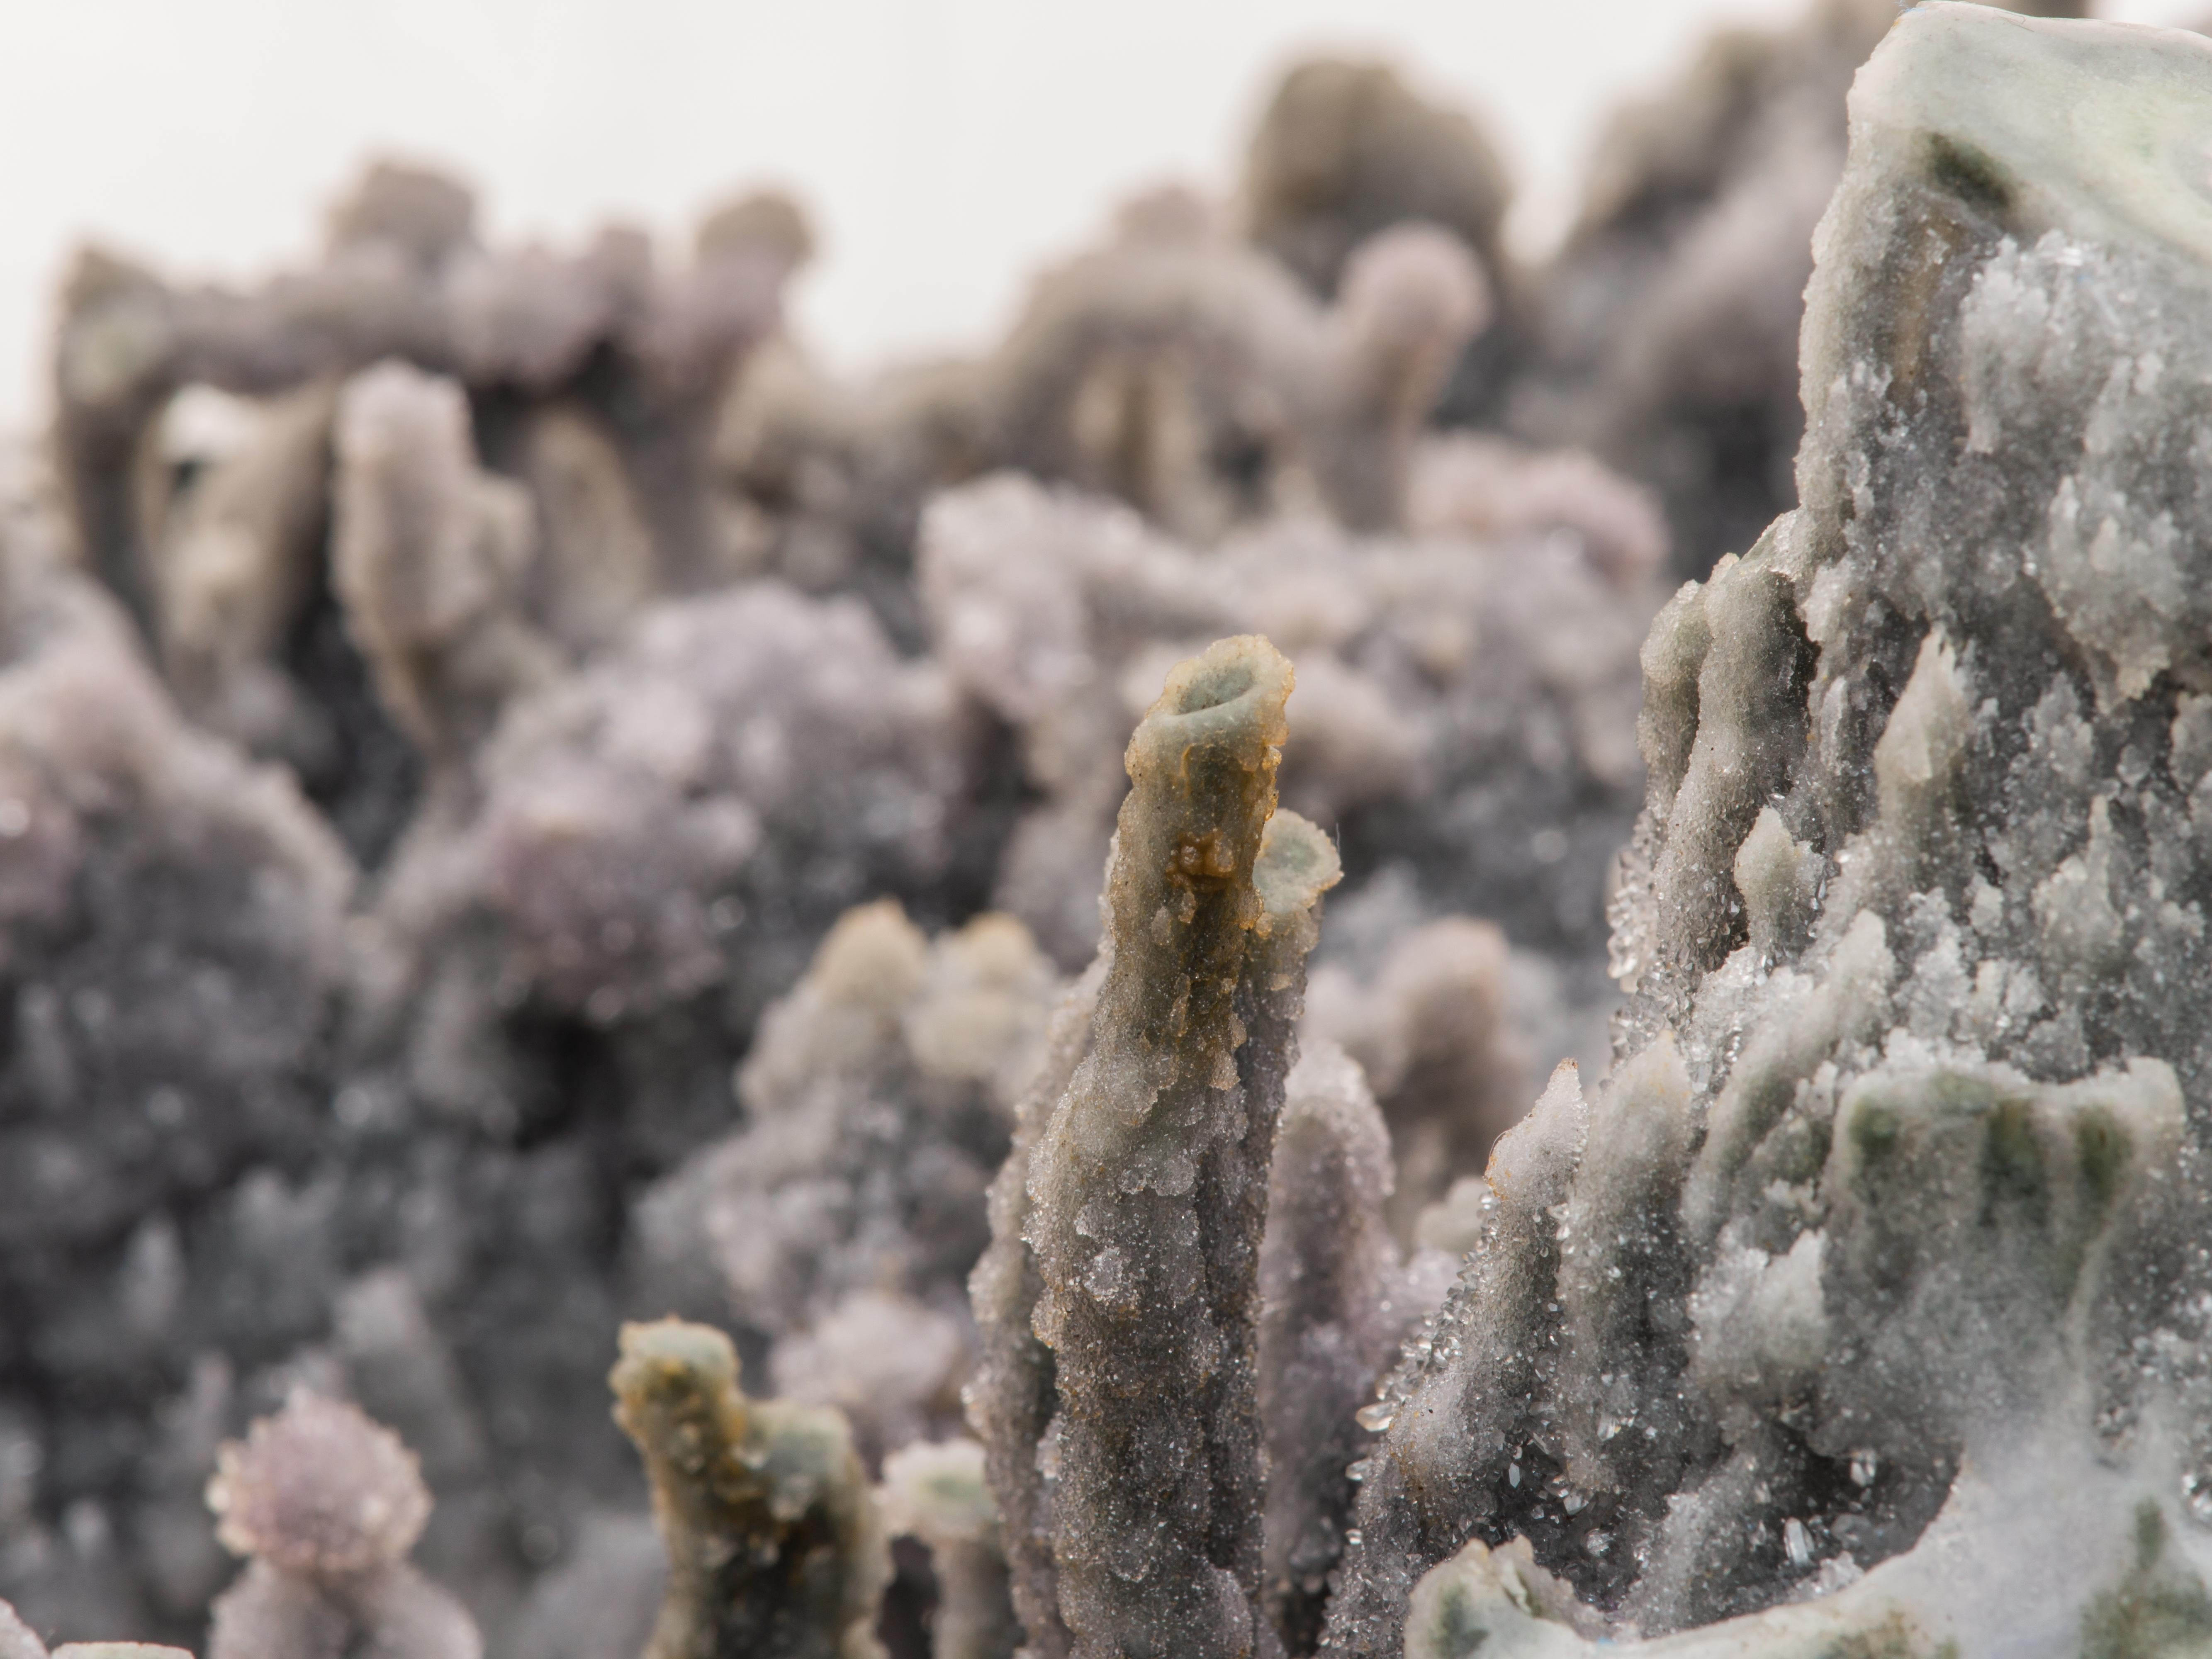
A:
(943, 148)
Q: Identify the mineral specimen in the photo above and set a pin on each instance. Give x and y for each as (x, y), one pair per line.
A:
(1147, 1185)
(775, 1546)
(937, 1492)
(1867, 1282)
(533, 865)
(1332, 1317)
(1012, 1401)
(327, 1505)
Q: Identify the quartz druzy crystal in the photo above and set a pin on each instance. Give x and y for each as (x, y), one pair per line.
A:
(1330, 1322)
(936, 1491)
(776, 1549)
(1872, 1282)
(325, 1505)
(1145, 1197)
(840, 1224)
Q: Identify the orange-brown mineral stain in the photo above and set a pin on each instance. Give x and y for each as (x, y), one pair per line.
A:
(1204, 861)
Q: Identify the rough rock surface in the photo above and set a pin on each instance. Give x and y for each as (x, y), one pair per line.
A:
(1885, 1219)
(1446, 727)
(1147, 1186)
(421, 873)
(776, 1549)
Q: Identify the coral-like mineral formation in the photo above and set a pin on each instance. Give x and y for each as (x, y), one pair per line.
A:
(326, 1506)
(528, 803)
(775, 1544)
(1147, 1186)
(1865, 1283)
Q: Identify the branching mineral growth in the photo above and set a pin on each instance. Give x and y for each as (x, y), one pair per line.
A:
(1862, 1308)
(775, 1549)
(1147, 1189)
(325, 1505)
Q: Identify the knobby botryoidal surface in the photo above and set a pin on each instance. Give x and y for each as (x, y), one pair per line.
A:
(655, 1002)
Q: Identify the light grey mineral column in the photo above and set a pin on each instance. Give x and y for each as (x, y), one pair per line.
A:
(1872, 1311)
(937, 1492)
(1012, 1398)
(1148, 1188)
(1326, 1330)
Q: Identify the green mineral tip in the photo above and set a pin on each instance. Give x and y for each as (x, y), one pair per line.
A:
(676, 1389)
(2101, 129)
(1228, 701)
(1297, 863)
(774, 1548)
(672, 1354)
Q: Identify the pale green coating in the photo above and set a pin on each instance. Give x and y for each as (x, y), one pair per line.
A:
(774, 1549)
(2103, 130)
(1867, 1312)
(937, 1492)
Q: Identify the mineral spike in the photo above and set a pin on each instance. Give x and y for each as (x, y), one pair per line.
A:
(1326, 1325)
(936, 1493)
(1012, 1401)
(1147, 1190)
(427, 553)
(1869, 1316)
(774, 1547)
